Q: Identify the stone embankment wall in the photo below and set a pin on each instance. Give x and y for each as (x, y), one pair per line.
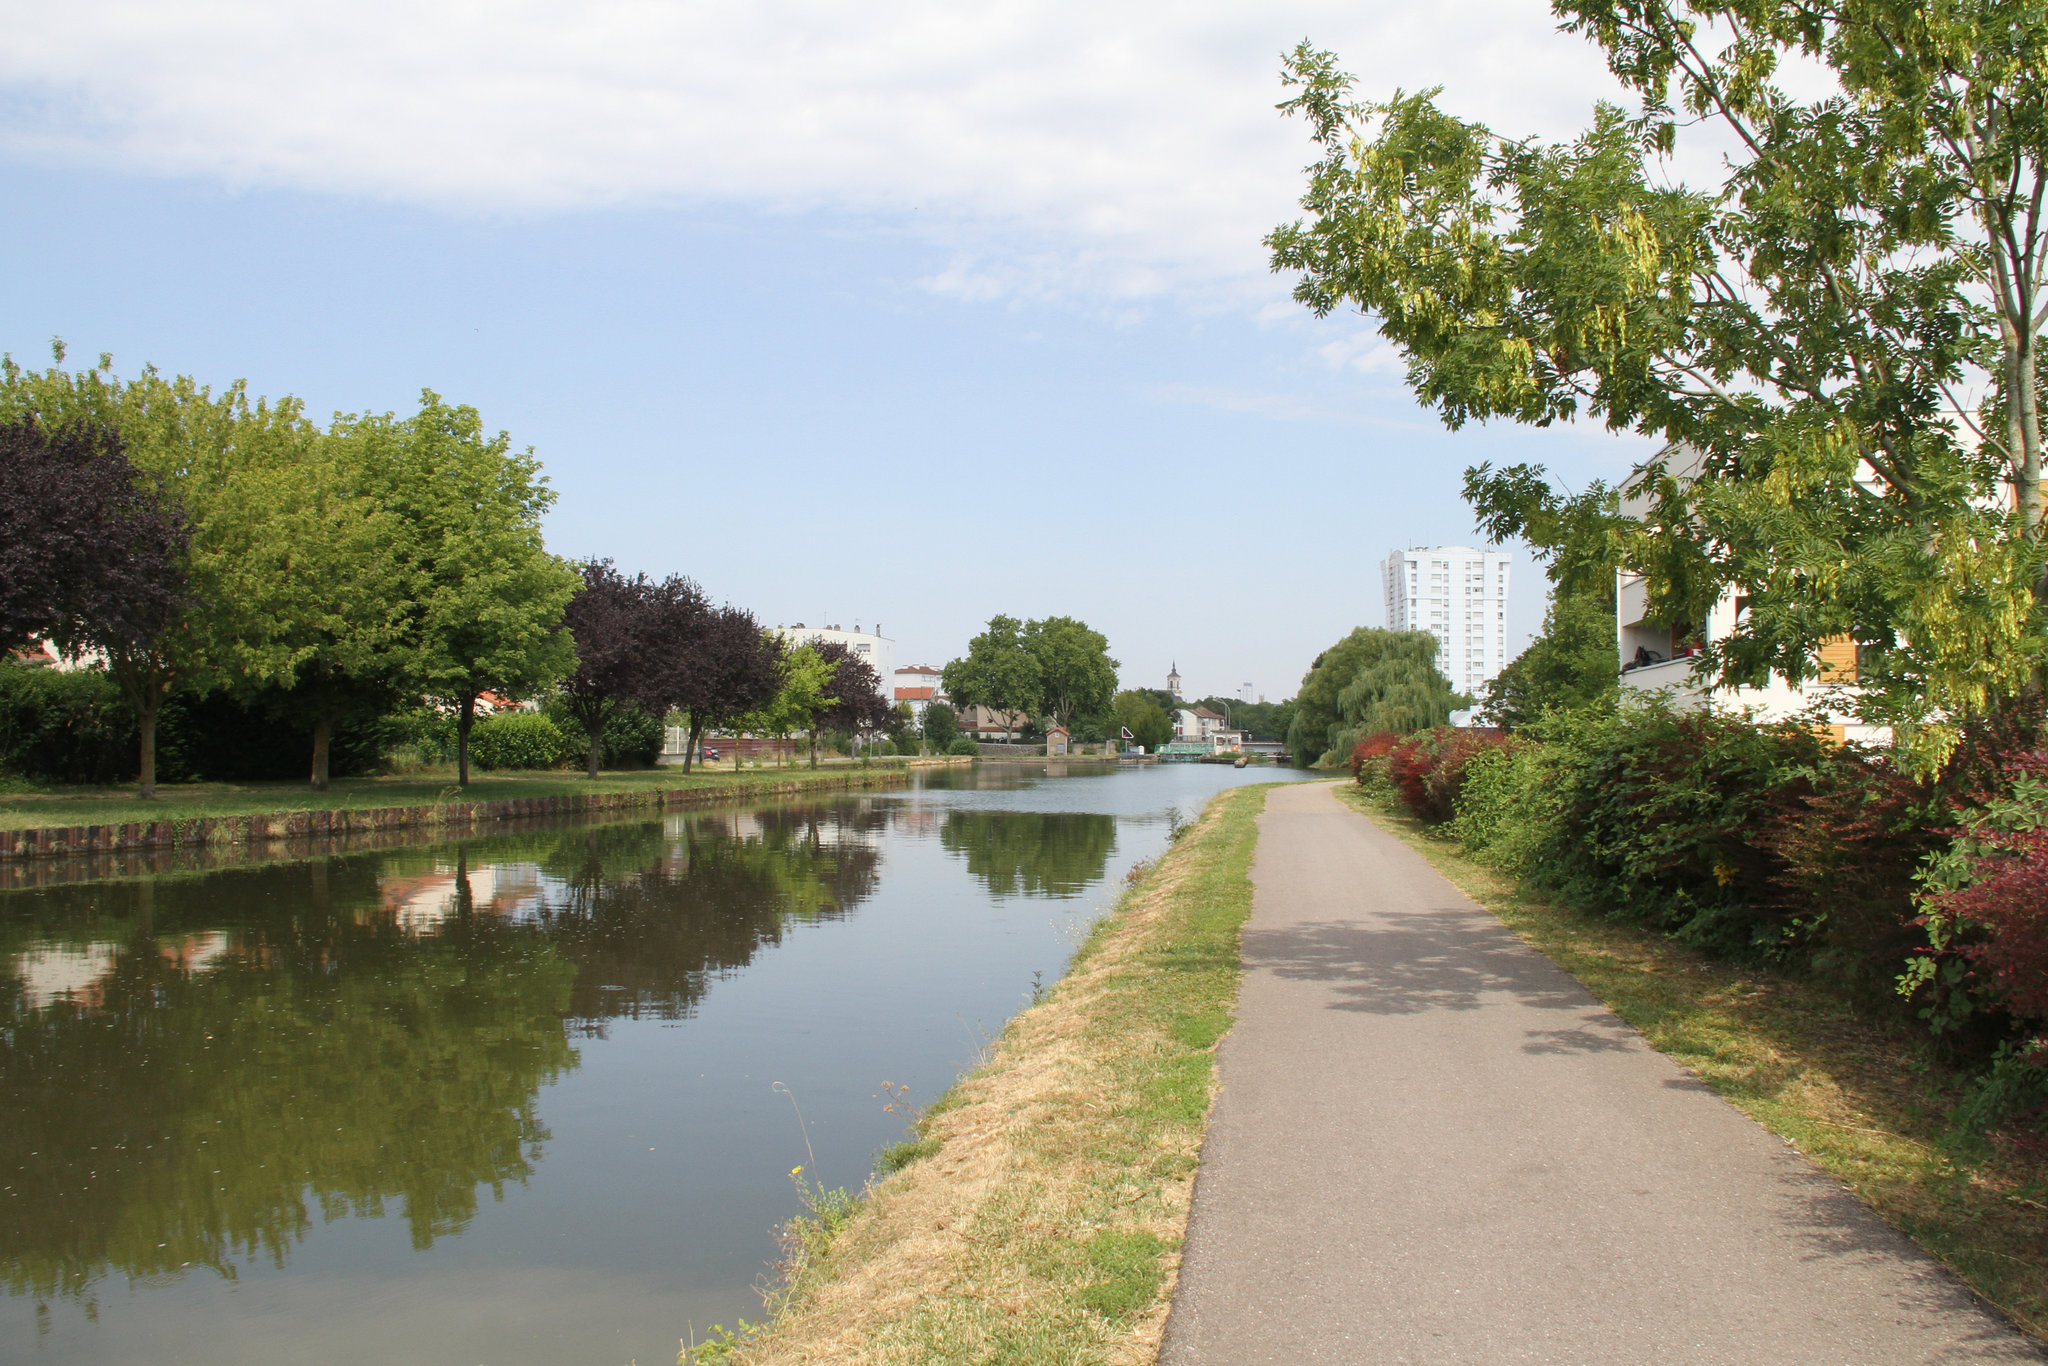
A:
(361, 828)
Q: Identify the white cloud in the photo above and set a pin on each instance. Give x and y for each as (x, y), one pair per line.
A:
(1064, 146)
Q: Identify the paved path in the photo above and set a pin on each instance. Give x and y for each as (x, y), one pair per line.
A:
(1432, 1146)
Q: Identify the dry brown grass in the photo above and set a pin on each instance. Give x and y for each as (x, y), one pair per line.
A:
(1047, 1225)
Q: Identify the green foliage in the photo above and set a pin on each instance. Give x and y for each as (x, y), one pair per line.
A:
(69, 727)
(1572, 664)
(941, 727)
(1144, 718)
(1076, 676)
(1371, 681)
(999, 670)
(963, 748)
(1654, 815)
(900, 1154)
(487, 596)
(1812, 334)
(519, 740)
(632, 738)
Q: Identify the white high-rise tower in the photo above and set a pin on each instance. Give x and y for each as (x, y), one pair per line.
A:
(1460, 596)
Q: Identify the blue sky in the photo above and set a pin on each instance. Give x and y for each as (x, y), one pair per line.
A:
(908, 318)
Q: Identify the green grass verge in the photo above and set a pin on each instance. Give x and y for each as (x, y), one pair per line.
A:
(119, 805)
(1860, 1093)
(1036, 1216)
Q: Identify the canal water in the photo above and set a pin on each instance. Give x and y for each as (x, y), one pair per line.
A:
(512, 1099)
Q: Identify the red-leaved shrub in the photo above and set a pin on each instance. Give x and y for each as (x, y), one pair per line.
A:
(1428, 768)
(1371, 749)
(2010, 904)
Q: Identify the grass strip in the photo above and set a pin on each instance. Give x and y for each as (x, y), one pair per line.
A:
(119, 805)
(1861, 1094)
(1039, 1215)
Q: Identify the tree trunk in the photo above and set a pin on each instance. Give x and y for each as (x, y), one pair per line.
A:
(596, 750)
(814, 746)
(145, 724)
(464, 719)
(323, 745)
(693, 738)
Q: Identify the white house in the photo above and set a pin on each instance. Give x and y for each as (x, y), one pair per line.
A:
(920, 686)
(1661, 656)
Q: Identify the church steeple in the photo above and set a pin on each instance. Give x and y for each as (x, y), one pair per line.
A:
(1173, 681)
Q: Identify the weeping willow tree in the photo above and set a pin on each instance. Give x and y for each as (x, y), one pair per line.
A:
(1371, 682)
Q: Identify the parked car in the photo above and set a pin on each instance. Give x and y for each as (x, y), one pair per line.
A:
(710, 753)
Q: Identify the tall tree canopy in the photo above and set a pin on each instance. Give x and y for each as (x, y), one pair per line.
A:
(1076, 676)
(853, 695)
(487, 597)
(999, 670)
(1370, 682)
(232, 469)
(83, 534)
(728, 668)
(618, 625)
(1840, 338)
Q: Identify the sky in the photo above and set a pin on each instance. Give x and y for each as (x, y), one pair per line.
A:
(899, 314)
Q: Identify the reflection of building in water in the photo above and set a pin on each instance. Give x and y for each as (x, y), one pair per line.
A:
(64, 972)
(422, 902)
(78, 972)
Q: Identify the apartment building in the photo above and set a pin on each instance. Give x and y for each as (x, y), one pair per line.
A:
(1460, 596)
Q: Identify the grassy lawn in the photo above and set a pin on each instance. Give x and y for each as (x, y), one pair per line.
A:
(1037, 1215)
(1859, 1093)
(119, 805)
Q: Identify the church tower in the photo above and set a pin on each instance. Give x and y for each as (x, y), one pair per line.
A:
(1173, 682)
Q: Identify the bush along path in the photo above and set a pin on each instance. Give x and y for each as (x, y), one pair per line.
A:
(1431, 1145)
(1037, 1214)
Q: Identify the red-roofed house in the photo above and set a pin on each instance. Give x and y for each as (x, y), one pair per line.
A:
(918, 684)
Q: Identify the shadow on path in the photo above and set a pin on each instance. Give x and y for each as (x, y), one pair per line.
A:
(1404, 963)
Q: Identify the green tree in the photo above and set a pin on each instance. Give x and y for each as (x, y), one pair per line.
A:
(1076, 676)
(1840, 339)
(941, 726)
(271, 549)
(487, 597)
(1571, 665)
(803, 697)
(1372, 680)
(999, 671)
(1140, 713)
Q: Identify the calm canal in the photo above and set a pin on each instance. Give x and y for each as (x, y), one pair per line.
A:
(511, 1099)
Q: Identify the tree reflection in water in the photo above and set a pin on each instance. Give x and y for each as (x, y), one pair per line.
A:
(1032, 853)
(191, 1068)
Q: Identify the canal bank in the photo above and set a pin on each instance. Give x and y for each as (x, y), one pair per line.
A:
(1041, 1204)
(345, 828)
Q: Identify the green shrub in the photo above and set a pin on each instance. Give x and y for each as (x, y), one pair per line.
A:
(632, 737)
(518, 739)
(963, 746)
(64, 727)
(1661, 816)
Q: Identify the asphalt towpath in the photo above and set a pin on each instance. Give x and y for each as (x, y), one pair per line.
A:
(1432, 1146)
